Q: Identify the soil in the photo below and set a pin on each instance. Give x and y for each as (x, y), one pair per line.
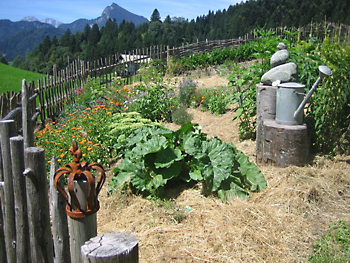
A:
(279, 224)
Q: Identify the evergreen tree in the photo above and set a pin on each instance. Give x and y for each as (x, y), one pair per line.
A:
(3, 60)
(18, 61)
(155, 16)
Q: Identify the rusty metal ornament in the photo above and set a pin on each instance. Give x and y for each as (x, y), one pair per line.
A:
(80, 171)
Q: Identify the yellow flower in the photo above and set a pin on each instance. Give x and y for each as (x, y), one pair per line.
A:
(59, 160)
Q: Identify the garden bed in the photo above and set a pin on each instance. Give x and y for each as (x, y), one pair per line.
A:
(280, 224)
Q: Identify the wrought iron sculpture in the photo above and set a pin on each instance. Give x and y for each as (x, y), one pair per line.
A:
(80, 171)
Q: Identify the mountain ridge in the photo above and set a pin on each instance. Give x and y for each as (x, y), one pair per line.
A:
(114, 11)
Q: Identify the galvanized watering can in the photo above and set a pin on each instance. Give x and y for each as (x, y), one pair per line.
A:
(290, 99)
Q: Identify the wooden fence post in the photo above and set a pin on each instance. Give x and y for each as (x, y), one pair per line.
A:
(2, 236)
(81, 229)
(19, 188)
(27, 114)
(59, 219)
(8, 130)
(38, 205)
(111, 247)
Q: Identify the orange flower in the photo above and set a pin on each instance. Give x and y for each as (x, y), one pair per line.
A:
(62, 155)
(109, 113)
(111, 102)
(88, 109)
(117, 103)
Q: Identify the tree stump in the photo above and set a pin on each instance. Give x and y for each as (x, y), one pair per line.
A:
(284, 145)
(111, 247)
(266, 110)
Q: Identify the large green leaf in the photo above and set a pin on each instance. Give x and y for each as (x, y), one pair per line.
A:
(251, 171)
(167, 157)
(221, 157)
(153, 145)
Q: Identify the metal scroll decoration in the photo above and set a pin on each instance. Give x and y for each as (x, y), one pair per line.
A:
(76, 171)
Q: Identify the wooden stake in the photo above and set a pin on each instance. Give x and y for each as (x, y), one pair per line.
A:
(7, 130)
(19, 188)
(59, 219)
(81, 229)
(38, 205)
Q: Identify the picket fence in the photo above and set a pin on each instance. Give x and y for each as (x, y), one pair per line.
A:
(25, 224)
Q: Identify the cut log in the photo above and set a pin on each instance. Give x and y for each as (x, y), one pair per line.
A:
(111, 247)
(266, 110)
(284, 145)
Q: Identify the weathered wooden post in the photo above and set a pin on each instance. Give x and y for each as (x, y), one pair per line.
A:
(82, 203)
(7, 130)
(59, 220)
(111, 247)
(38, 205)
(19, 189)
(28, 115)
(2, 236)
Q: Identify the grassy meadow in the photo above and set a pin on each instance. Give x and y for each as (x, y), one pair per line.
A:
(11, 78)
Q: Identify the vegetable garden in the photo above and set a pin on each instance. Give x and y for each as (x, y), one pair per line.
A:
(183, 172)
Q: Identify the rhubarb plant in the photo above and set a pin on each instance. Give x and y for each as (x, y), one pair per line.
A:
(153, 157)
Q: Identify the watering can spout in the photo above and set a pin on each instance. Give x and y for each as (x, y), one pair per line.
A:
(324, 71)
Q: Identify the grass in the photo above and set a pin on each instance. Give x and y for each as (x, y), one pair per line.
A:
(333, 246)
(11, 78)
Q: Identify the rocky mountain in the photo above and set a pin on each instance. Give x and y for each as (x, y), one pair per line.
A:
(113, 11)
(49, 21)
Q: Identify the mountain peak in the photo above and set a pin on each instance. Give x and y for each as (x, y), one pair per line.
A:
(30, 19)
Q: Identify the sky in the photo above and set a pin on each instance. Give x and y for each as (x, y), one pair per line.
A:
(67, 11)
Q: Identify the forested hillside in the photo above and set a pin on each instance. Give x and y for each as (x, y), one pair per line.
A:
(94, 43)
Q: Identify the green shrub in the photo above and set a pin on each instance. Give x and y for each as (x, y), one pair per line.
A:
(187, 90)
(155, 102)
(180, 116)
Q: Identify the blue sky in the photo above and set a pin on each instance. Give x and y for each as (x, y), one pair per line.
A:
(67, 11)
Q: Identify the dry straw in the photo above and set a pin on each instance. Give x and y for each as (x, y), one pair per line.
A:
(277, 225)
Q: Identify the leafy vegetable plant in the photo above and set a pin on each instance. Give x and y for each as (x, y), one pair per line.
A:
(155, 157)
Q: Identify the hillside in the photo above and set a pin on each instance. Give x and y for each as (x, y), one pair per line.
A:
(26, 40)
(11, 78)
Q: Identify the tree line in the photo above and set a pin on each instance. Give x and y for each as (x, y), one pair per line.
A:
(94, 42)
